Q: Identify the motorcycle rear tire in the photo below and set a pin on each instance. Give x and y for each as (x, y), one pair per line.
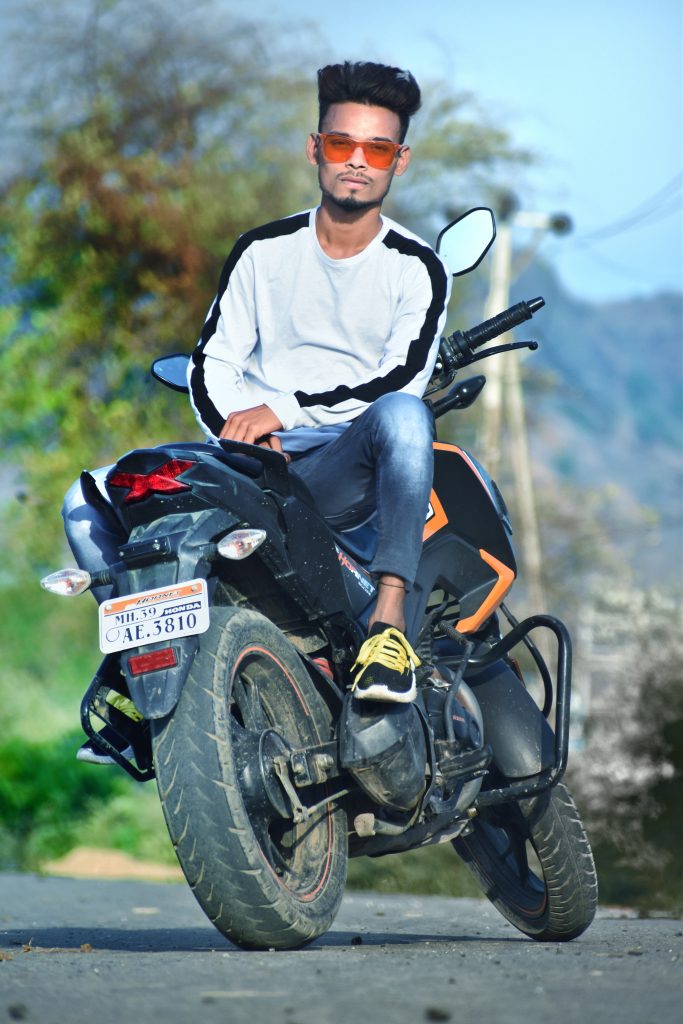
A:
(262, 880)
(551, 896)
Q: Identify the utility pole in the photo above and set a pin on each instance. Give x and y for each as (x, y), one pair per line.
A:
(504, 394)
(492, 398)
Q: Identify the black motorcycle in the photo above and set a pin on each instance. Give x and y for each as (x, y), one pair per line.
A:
(235, 616)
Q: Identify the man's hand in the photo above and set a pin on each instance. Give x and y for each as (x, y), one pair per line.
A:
(275, 444)
(253, 426)
(250, 425)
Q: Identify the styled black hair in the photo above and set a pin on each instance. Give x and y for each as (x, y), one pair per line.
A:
(376, 85)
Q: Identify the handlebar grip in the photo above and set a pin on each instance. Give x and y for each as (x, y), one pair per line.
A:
(501, 323)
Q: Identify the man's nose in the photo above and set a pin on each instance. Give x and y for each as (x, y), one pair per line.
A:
(357, 158)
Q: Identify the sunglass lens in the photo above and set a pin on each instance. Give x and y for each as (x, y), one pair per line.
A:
(338, 148)
(379, 154)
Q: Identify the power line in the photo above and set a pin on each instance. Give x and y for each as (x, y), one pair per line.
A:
(663, 203)
(619, 269)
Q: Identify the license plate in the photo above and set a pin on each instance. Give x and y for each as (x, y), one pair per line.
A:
(166, 613)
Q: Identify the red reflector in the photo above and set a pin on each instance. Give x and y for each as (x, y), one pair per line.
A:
(160, 481)
(152, 661)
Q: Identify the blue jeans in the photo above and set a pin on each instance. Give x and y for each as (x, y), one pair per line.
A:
(91, 537)
(382, 463)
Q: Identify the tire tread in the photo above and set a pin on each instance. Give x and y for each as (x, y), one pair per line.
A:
(563, 850)
(212, 835)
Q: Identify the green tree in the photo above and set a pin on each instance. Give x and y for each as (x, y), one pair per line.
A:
(149, 144)
(145, 167)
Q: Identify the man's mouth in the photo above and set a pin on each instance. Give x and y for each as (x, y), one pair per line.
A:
(353, 180)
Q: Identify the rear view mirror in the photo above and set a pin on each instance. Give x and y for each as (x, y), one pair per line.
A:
(172, 371)
(465, 241)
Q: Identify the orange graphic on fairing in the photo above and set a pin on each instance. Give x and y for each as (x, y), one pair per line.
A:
(506, 578)
(436, 517)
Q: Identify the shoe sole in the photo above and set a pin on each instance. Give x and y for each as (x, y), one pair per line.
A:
(91, 757)
(378, 692)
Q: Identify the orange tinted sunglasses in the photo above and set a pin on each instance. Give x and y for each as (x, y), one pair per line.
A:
(339, 148)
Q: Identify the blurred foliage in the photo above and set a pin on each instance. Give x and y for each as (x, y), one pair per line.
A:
(49, 651)
(628, 777)
(430, 871)
(44, 798)
(152, 161)
(155, 142)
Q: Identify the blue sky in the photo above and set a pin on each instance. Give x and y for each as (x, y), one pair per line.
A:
(595, 87)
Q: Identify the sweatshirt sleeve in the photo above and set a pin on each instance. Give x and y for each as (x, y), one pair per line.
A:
(216, 368)
(216, 372)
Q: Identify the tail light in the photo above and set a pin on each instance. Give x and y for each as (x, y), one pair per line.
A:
(163, 480)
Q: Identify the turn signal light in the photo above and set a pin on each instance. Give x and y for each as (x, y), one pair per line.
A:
(240, 544)
(67, 582)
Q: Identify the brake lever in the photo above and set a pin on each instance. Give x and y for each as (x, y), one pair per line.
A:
(458, 361)
(531, 345)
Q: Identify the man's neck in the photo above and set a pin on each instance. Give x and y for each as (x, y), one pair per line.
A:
(344, 233)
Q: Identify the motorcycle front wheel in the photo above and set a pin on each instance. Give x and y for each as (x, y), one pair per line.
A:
(533, 861)
(264, 881)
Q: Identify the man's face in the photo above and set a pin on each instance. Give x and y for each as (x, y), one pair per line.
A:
(354, 185)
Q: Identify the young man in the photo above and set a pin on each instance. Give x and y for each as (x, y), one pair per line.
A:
(322, 339)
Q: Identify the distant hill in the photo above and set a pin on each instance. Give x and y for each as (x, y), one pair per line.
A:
(615, 412)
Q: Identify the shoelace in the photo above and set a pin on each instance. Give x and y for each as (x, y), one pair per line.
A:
(124, 705)
(390, 649)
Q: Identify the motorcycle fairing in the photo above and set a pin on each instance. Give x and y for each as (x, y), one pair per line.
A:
(465, 511)
(505, 577)
(359, 584)
(466, 500)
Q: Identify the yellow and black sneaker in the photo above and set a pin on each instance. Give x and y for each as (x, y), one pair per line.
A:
(385, 667)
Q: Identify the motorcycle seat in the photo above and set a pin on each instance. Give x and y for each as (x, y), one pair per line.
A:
(266, 468)
(270, 471)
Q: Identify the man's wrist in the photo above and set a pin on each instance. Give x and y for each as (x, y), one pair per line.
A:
(286, 408)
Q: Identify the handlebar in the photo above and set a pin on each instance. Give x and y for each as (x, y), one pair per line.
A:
(502, 323)
(456, 350)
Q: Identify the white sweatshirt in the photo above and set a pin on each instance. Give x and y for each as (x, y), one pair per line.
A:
(314, 338)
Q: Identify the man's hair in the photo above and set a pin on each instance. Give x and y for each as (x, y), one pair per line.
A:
(376, 85)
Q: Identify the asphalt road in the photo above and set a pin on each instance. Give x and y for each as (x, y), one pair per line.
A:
(108, 952)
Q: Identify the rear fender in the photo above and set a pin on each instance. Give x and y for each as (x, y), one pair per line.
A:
(326, 687)
(155, 694)
(523, 743)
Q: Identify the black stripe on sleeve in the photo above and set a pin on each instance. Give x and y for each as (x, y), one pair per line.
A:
(418, 350)
(210, 415)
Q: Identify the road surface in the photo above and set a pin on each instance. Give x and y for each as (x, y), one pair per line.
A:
(119, 952)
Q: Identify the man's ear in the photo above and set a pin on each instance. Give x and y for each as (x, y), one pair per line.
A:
(312, 149)
(403, 161)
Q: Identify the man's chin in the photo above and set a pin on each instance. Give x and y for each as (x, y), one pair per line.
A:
(352, 204)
